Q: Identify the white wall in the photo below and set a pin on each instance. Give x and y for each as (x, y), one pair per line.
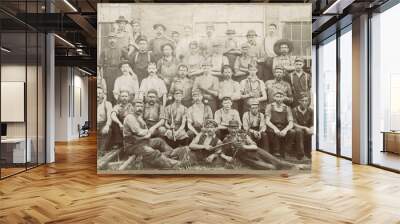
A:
(71, 87)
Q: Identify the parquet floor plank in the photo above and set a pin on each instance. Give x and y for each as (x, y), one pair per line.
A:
(70, 191)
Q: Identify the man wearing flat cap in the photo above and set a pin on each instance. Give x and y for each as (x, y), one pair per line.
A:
(175, 121)
(125, 40)
(197, 114)
(283, 48)
(109, 62)
(224, 115)
(138, 141)
(299, 80)
(159, 40)
(231, 50)
(303, 116)
(240, 149)
(279, 120)
(278, 83)
(254, 124)
(204, 149)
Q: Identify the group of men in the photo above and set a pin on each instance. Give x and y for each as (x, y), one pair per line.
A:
(184, 100)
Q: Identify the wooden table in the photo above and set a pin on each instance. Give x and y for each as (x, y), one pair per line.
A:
(391, 141)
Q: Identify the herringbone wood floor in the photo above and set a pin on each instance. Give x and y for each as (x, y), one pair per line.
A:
(69, 191)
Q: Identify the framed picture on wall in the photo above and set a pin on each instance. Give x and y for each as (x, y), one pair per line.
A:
(204, 88)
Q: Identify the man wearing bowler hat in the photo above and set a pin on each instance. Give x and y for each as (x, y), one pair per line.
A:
(159, 40)
(125, 39)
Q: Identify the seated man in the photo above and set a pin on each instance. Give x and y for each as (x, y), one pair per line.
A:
(138, 141)
(197, 114)
(254, 124)
(224, 115)
(279, 122)
(238, 147)
(303, 117)
(203, 150)
(118, 114)
(104, 109)
(154, 114)
(175, 121)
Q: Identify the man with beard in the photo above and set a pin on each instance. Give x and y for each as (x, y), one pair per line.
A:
(224, 115)
(245, 151)
(154, 114)
(204, 149)
(159, 40)
(104, 121)
(109, 61)
(183, 83)
(283, 49)
(278, 84)
(154, 82)
(299, 80)
(254, 124)
(279, 120)
(252, 87)
(197, 114)
(175, 121)
(118, 114)
(138, 141)
(127, 81)
(229, 87)
(141, 59)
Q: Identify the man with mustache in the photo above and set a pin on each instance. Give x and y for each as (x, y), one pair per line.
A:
(154, 114)
(152, 81)
(283, 48)
(276, 84)
(138, 141)
(159, 40)
(197, 114)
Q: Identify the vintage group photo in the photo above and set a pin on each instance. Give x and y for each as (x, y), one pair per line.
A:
(204, 88)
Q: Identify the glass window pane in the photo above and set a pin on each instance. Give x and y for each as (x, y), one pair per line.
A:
(327, 97)
(385, 89)
(346, 94)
